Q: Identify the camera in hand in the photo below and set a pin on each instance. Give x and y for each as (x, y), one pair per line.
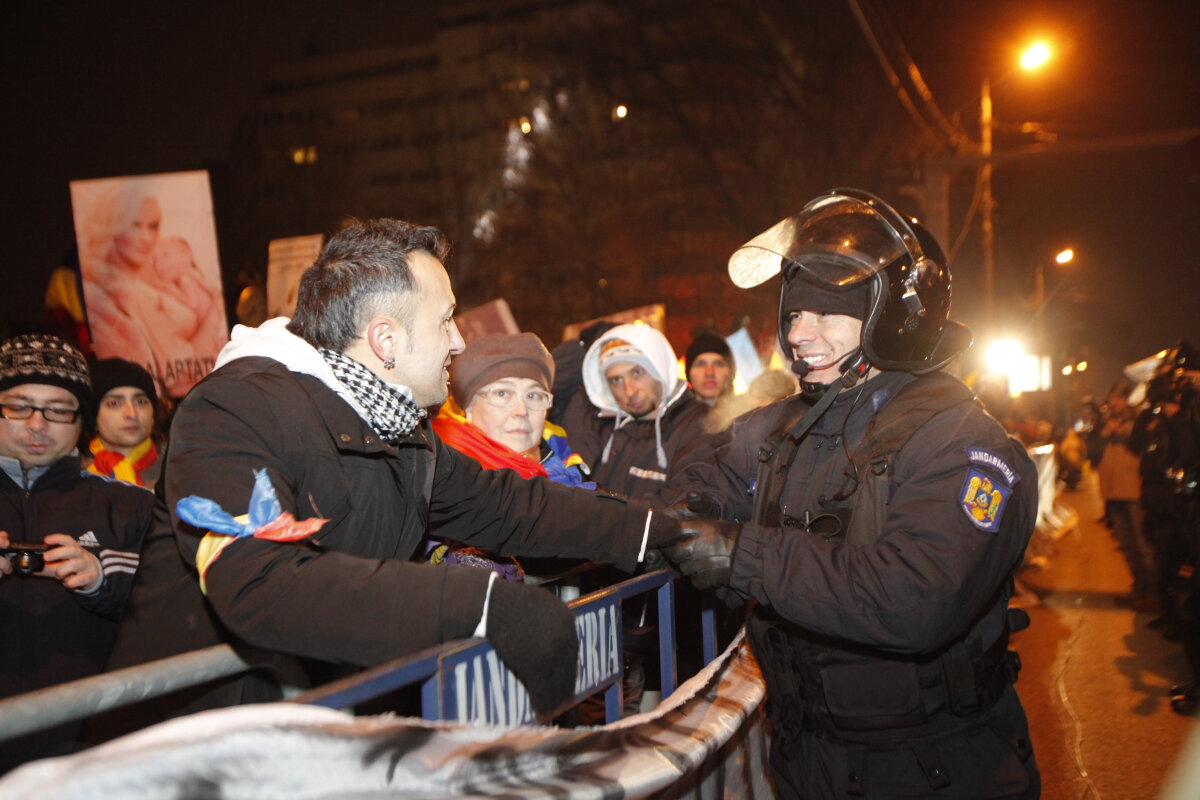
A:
(26, 557)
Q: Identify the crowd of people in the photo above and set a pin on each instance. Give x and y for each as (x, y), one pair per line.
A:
(1144, 443)
(866, 518)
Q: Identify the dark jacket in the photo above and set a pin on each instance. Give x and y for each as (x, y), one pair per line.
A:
(632, 467)
(348, 595)
(936, 574)
(51, 634)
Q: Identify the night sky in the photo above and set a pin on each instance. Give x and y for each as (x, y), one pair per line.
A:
(106, 89)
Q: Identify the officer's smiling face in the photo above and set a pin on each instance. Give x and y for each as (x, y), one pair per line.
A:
(823, 341)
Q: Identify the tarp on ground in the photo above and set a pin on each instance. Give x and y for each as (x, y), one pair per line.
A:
(705, 740)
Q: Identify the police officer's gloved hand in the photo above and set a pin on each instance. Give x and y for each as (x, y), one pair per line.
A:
(534, 635)
(705, 551)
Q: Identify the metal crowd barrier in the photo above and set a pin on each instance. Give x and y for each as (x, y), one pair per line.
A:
(1054, 518)
(460, 681)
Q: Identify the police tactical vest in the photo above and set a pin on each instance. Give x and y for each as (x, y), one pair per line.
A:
(855, 694)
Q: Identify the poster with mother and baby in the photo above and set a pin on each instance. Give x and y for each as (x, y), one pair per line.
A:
(151, 276)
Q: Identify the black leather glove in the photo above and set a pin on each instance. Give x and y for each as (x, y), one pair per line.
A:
(534, 635)
(705, 551)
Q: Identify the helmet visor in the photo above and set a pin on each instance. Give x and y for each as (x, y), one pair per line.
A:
(838, 239)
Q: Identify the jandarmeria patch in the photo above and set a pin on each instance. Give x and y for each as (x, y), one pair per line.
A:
(987, 488)
(977, 455)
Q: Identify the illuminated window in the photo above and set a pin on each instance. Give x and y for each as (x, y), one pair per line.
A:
(304, 155)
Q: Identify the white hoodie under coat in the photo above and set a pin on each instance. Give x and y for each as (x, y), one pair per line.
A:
(665, 368)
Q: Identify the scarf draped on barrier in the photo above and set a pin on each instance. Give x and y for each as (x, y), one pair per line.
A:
(114, 464)
(706, 740)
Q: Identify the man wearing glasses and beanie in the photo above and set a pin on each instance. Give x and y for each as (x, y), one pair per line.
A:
(70, 539)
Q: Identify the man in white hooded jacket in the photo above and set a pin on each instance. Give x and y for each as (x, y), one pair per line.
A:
(636, 423)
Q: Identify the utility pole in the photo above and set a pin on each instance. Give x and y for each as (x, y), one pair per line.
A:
(988, 206)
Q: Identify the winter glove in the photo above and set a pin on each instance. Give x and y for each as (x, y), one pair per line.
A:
(705, 553)
(534, 635)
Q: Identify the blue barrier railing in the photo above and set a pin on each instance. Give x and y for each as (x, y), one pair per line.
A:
(460, 681)
(466, 682)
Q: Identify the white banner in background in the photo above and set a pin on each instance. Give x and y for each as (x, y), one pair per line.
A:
(286, 261)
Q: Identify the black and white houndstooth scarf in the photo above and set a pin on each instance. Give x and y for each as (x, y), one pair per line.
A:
(389, 411)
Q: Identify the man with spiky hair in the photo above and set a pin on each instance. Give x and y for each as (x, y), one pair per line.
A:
(326, 415)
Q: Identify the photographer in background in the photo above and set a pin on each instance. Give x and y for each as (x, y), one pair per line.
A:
(62, 587)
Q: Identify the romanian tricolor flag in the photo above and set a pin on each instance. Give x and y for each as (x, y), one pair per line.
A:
(265, 520)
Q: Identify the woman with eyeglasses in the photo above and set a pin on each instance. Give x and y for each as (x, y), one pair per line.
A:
(496, 414)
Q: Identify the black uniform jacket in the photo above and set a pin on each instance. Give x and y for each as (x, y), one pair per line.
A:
(963, 502)
(348, 594)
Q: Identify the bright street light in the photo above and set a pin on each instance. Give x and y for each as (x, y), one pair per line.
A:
(1000, 355)
(1039, 295)
(1023, 371)
(1035, 56)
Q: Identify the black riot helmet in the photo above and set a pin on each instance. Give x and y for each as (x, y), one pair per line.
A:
(847, 241)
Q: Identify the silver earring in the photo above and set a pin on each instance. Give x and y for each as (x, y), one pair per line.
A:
(389, 363)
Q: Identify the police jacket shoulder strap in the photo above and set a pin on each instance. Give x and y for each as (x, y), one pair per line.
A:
(901, 417)
(913, 406)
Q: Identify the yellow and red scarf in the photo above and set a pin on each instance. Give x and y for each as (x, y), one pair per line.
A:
(114, 464)
(453, 429)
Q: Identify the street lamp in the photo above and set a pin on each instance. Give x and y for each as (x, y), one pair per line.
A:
(1064, 256)
(1039, 297)
(1034, 57)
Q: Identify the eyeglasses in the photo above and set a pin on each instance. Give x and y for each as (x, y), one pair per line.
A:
(535, 400)
(64, 415)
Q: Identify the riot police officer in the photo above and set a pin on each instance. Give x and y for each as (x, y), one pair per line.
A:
(874, 522)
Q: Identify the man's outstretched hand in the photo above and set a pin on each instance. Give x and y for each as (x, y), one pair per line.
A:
(534, 635)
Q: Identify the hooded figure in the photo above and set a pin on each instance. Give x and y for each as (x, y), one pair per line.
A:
(636, 422)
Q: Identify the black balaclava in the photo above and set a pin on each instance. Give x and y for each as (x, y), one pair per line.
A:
(802, 292)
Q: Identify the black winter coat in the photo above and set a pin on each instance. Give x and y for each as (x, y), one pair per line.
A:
(349, 594)
(632, 467)
(49, 633)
